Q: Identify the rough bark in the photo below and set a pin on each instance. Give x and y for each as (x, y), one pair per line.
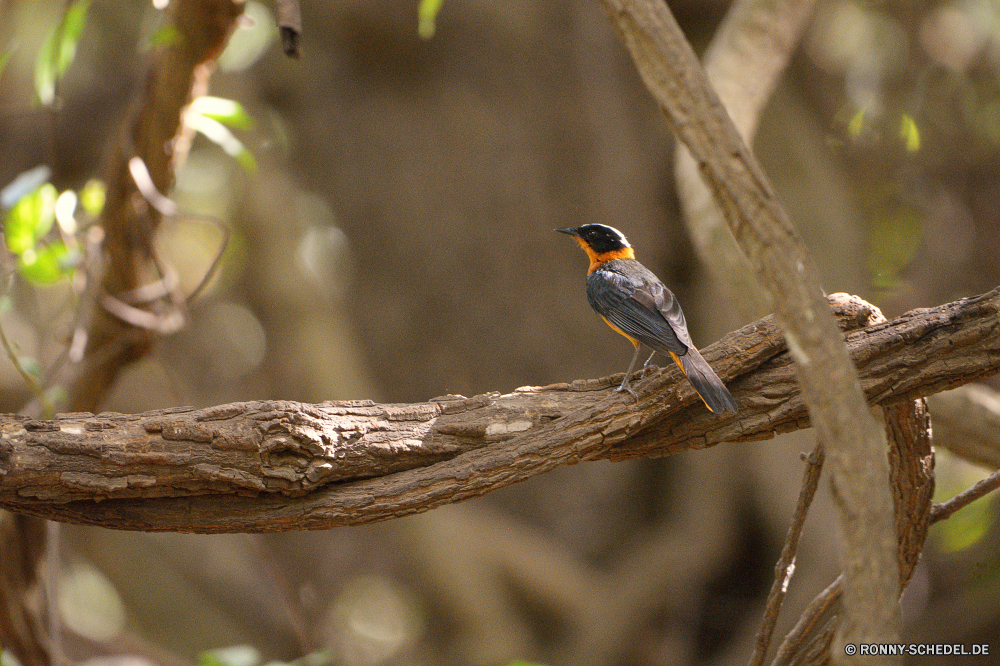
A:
(276, 466)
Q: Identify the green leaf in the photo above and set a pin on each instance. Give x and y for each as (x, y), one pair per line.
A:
(247, 160)
(427, 13)
(58, 50)
(92, 197)
(856, 123)
(219, 134)
(31, 366)
(7, 659)
(909, 132)
(47, 264)
(896, 236)
(73, 23)
(967, 527)
(228, 112)
(30, 219)
(251, 39)
(45, 74)
(56, 395)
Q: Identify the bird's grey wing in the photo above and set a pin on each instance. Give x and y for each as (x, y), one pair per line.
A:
(633, 306)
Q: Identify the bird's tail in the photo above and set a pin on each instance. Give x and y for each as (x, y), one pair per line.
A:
(710, 388)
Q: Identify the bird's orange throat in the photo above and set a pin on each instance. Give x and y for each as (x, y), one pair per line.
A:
(597, 259)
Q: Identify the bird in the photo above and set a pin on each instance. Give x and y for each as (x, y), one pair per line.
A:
(635, 303)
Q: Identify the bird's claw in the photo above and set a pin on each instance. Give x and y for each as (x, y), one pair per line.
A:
(625, 387)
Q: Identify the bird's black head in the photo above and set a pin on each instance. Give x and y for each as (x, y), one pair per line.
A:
(598, 238)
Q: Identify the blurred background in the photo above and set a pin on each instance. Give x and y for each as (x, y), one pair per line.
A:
(394, 242)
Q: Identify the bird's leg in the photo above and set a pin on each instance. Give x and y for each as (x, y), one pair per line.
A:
(628, 373)
(646, 364)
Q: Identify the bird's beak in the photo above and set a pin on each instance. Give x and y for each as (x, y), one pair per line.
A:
(570, 231)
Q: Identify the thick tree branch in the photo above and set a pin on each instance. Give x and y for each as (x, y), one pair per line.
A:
(275, 466)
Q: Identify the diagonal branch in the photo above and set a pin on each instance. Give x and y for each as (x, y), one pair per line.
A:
(785, 567)
(744, 62)
(277, 466)
(830, 384)
(128, 220)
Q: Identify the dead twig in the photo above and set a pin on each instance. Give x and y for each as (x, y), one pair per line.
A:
(810, 628)
(785, 567)
(966, 497)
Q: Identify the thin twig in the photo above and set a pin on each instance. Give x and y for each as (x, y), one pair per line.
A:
(217, 261)
(785, 567)
(32, 383)
(810, 620)
(822, 606)
(965, 498)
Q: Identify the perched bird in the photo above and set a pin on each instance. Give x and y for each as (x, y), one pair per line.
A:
(633, 302)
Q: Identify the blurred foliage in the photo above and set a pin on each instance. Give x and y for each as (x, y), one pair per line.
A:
(253, 37)
(24, 183)
(909, 133)
(89, 604)
(227, 111)
(427, 12)
(30, 219)
(92, 197)
(895, 238)
(5, 55)
(375, 618)
(28, 224)
(247, 655)
(166, 35)
(213, 117)
(235, 655)
(967, 527)
(58, 50)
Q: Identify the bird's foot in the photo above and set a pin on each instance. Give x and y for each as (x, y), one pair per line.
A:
(626, 388)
